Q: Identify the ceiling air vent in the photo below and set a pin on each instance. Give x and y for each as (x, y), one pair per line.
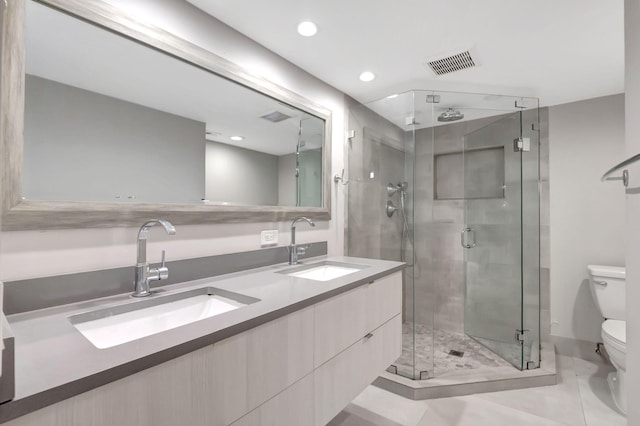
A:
(275, 116)
(451, 63)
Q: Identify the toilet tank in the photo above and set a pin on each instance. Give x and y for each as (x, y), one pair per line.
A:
(608, 290)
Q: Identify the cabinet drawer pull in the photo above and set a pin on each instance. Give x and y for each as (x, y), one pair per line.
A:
(368, 336)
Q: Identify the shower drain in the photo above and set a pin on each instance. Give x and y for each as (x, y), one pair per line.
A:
(456, 353)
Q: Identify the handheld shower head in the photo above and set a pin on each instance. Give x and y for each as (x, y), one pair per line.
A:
(392, 188)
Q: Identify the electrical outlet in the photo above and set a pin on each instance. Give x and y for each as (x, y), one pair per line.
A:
(269, 238)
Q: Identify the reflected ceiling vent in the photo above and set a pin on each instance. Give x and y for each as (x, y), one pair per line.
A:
(276, 116)
(452, 63)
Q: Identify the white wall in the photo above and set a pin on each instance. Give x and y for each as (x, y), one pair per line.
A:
(240, 176)
(37, 254)
(632, 230)
(73, 151)
(587, 218)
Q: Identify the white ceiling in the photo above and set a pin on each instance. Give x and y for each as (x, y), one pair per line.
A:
(557, 50)
(72, 52)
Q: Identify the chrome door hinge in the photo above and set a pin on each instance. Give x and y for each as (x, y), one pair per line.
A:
(521, 336)
(522, 145)
(433, 99)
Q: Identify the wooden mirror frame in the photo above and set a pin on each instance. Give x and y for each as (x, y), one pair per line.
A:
(21, 214)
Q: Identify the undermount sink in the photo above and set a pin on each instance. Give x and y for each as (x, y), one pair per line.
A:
(324, 271)
(124, 323)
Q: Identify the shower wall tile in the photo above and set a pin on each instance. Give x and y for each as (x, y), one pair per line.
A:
(545, 300)
(484, 173)
(545, 255)
(544, 203)
(544, 144)
(423, 290)
(495, 211)
(448, 286)
(449, 176)
(425, 300)
(545, 287)
(497, 244)
(449, 313)
(531, 210)
(545, 324)
(445, 242)
(408, 311)
(496, 131)
(451, 211)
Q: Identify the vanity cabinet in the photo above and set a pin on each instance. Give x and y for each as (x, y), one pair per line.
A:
(357, 335)
(342, 378)
(279, 373)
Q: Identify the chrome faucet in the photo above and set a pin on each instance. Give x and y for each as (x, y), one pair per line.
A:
(144, 273)
(295, 251)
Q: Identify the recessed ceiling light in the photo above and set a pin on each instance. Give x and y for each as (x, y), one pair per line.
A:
(307, 29)
(236, 138)
(367, 76)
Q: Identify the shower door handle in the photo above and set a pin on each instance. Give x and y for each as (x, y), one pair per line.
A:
(471, 241)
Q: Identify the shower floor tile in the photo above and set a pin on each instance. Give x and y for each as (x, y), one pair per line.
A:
(475, 355)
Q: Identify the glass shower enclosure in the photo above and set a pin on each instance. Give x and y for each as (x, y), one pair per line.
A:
(449, 183)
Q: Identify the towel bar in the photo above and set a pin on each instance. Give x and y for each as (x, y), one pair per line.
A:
(625, 174)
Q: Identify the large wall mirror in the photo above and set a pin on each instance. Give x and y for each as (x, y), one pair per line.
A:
(123, 121)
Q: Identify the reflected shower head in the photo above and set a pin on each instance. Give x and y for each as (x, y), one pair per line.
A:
(450, 115)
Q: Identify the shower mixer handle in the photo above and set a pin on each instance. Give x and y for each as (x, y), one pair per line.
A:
(472, 240)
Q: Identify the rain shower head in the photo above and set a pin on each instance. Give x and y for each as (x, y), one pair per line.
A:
(450, 115)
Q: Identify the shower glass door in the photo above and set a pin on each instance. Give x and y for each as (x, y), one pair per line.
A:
(308, 167)
(501, 263)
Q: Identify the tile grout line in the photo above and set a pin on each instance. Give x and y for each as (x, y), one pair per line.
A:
(575, 373)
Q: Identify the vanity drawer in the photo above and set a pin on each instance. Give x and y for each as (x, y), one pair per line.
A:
(384, 299)
(338, 323)
(292, 407)
(344, 319)
(342, 378)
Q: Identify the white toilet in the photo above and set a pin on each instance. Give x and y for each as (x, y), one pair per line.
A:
(608, 289)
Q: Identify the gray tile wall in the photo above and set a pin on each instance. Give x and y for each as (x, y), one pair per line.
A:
(378, 148)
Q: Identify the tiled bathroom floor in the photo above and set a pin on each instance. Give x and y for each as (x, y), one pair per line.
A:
(580, 398)
(475, 355)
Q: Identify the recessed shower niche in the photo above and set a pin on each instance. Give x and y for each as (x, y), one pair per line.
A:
(485, 167)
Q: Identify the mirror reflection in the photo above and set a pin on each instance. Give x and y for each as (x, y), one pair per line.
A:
(108, 119)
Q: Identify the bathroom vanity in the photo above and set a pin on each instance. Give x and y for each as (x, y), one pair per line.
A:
(303, 343)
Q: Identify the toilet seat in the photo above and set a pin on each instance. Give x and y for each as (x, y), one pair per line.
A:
(616, 331)
(614, 337)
